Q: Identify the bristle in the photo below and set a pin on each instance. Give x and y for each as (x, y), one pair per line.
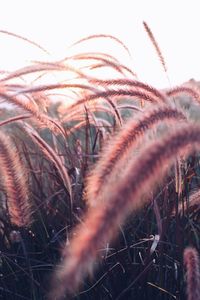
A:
(179, 90)
(24, 39)
(14, 179)
(97, 36)
(83, 87)
(133, 84)
(178, 177)
(118, 149)
(191, 261)
(116, 93)
(30, 108)
(155, 44)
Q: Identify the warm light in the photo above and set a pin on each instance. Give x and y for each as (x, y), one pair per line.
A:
(57, 24)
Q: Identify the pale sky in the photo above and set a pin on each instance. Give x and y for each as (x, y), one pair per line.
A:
(57, 24)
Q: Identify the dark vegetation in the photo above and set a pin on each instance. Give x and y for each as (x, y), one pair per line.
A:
(99, 183)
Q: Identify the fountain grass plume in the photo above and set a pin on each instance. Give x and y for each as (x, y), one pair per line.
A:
(14, 178)
(179, 90)
(119, 146)
(41, 118)
(191, 261)
(132, 84)
(116, 93)
(155, 44)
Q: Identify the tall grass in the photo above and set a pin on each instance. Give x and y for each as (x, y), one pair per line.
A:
(99, 185)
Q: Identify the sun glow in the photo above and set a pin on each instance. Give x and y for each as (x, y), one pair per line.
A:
(57, 25)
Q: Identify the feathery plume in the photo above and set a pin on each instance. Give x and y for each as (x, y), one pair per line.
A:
(31, 108)
(14, 179)
(132, 83)
(121, 143)
(97, 36)
(25, 39)
(176, 91)
(178, 176)
(155, 44)
(115, 93)
(81, 101)
(191, 261)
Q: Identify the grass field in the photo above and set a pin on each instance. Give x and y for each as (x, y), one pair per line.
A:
(99, 185)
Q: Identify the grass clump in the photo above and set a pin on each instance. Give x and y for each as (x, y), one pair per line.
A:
(99, 187)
